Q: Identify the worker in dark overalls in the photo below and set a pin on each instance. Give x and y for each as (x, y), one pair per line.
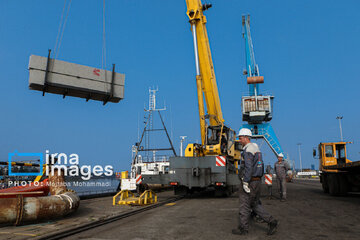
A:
(251, 171)
(281, 167)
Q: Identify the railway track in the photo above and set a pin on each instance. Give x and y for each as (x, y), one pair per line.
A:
(101, 222)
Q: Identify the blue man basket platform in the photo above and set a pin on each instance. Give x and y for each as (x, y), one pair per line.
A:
(70, 79)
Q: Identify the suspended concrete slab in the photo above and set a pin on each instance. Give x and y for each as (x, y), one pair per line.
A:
(70, 79)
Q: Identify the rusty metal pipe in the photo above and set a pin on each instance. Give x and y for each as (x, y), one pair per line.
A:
(57, 182)
(33, 209)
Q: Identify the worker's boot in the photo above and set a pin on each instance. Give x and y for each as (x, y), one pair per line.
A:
(255, 217)
(258, 219)
(239, 231)
(272, 227)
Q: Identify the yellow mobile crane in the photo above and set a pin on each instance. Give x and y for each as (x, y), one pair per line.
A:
(214, 134)
(214, 162)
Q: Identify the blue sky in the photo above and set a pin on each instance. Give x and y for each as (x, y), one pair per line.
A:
(307, 51)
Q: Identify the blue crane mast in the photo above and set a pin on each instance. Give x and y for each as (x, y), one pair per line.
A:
(257, 108)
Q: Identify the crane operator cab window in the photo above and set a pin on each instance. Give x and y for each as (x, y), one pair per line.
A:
(216, 136)
(329, 151)
(231, 139)
(138, 170)
(213, 135)
(340, 153)
(224, 143)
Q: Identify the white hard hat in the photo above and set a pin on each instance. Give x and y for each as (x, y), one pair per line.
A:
(281, 155)
(245, 132)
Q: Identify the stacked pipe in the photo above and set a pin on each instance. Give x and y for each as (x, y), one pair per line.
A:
(22, 209)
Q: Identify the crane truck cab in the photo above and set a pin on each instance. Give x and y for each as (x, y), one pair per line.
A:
(338, 175)
(219, 140)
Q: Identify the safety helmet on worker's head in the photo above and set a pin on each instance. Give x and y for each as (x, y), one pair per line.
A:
(281, 155)
(245, 132)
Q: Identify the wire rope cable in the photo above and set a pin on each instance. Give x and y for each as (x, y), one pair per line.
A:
(62, 25)
(103, 54)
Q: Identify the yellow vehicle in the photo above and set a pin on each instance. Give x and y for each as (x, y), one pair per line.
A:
(214, 162)
(216, 138)
(338, 174)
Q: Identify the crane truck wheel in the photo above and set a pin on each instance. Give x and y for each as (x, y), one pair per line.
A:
(224, 191)
(334, 184)
(181, 190)
(142, 188)
(324, 183)
(220, 192)
(343, 184)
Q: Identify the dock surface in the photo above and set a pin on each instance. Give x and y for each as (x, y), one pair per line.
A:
(307, 214)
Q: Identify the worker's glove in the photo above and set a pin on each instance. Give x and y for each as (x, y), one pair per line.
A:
(246, 187)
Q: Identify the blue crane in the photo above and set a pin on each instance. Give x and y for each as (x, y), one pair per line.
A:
(257, 108)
